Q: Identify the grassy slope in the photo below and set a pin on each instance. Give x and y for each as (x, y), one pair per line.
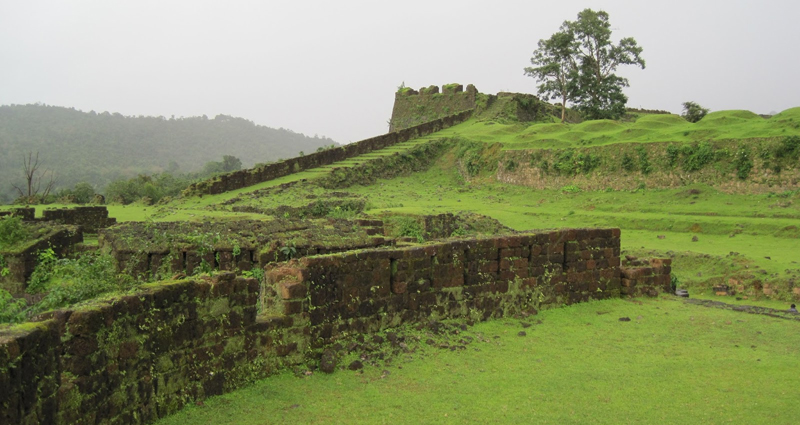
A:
(648, 128)
(643, 216)
(673, 363)
(761, 225)
(714, 372)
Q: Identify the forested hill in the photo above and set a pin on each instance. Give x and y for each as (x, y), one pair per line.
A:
(98, 148)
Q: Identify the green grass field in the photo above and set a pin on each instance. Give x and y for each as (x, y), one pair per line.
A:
(647, 128)
(761, 228)
(672, 363)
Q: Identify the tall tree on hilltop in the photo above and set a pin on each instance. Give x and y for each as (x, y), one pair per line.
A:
(589, 61)
(555, 68)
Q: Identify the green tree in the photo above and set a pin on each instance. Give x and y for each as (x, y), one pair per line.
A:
(554, 67)
(693, 112)
(579, 63)
(231, 163)
(228, 164)
(599, 94)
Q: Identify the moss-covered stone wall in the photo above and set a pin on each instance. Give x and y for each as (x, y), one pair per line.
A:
(139, 357)
(244, 178)
(475, 279)
(90, 219)
(412, 107)
(21, 263)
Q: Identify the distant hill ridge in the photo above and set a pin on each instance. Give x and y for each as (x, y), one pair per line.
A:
(101, 147)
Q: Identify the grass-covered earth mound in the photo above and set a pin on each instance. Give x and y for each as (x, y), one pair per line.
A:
(721, 197)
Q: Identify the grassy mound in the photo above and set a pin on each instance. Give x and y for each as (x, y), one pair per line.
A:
(648, 128)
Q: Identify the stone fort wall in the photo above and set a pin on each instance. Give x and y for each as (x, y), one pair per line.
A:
(139, 357)
(412, 107)
(244, 178)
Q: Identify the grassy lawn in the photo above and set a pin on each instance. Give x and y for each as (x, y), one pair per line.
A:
(719, 125)
(672, 363)
(742, 234)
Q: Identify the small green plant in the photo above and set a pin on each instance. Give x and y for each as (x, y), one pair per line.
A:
(788, 148)
(12, 231)
(68, 281)
(42, 274)
(673, 153)
(627, 162)
(4, 270)
(289, 251)
(571, 189)
(510, 165)
(254, 273)
(697, 156)
(644, 161)
(470, 155)
(743, 162)
(11, 309)
(406, 226)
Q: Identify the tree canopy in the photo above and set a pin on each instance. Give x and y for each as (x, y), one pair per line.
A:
(578, 63)
(693, 112)
(98, 148)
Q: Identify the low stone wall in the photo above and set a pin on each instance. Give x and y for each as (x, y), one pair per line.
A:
(140, 357)
(90, 219)
(21, 264)
(168, 248)
(244, 178)
(646, 277)
(27, 214)
(476, 279)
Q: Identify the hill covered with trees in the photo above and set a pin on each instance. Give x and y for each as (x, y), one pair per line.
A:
(98, 148)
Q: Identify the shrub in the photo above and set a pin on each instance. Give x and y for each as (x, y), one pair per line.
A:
(673, 153)
(627, 162)
(12, 231)
(471, 156)
(693, 112)
(588, 162)
(69, 281)
(644, 161)
(698, 156)
(743, 163)
(11, 309)
(569, 163)
(405, 226)
(511, 165)
(789, 148)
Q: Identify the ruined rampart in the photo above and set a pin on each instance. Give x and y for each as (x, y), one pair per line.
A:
(412, 108)
(20, 264)
(89, 218)
(140, 357)
(244, 178)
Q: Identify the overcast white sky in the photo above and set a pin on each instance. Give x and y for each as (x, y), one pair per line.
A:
(332, 67)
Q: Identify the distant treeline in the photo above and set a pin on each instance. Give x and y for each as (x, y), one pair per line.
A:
(98, 148)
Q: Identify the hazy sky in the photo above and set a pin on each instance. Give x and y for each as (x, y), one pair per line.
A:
(332, 67)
